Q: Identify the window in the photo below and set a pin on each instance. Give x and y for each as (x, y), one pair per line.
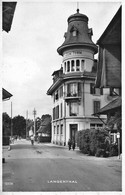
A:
(73, 89)
(56, 95)
(65, 66)
(53, 113)
(61, 129)
(96, 106)
(72, 65)
(77, 65)
(61, 110)
(57, 112)
(68, 66)
(99, 125)
(57, 129)
(74, 109)
(95, 91)
(115, 91)
(74, 33)
(82, 65)
(95, 126)
(92, 126)
(61, 91)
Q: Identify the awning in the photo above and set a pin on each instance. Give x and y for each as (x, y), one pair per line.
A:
(5, 94)
(8, 9)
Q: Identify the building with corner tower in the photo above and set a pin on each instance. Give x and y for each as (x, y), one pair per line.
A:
(75, 98)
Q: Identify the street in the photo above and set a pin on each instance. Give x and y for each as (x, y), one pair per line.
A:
(49, 167)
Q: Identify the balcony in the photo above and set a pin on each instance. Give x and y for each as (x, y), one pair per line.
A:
(73, 96)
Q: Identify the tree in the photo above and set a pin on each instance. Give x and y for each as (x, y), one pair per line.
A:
(19, 126)
(6, 124)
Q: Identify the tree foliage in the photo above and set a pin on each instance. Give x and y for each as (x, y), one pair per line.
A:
(6, 124)
(19, 126)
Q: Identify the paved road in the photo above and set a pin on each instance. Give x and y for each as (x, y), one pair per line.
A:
(46, 167)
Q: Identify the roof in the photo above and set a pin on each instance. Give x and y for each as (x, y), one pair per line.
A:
(77, 22)
(5, 94)
(61, 79)
(112, 106)
(8, 9)
(112, 33)
(109, 63)
(45, 125)
(78, 16)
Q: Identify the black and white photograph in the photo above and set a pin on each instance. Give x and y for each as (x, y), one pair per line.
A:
(61, 76)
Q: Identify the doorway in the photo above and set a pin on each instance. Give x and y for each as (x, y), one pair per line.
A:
(73, 131)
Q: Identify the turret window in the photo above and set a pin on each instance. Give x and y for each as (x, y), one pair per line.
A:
(74, 33)
(82, 65)
(77, 65)
(72, 65)
(65, 66)
(68, 66)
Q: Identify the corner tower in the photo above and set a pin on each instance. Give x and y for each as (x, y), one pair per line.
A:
(73, 96)
(78, 45)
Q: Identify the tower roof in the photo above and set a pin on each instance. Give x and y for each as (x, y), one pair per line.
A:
(78, 24)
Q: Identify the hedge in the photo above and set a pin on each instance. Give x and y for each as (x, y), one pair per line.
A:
(95, 142)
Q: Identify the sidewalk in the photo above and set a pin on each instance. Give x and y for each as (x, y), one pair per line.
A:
(85, 155)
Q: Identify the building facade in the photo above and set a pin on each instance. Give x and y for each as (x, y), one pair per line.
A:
(109, 73)
(74, 97)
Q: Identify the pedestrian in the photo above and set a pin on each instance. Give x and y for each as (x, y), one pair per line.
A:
(69, 144)
(73, 144)
(32, 139)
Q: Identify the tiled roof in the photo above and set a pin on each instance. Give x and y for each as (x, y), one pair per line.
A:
(44, 125)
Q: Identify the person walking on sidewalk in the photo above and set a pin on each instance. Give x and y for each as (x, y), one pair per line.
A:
(32, 139)
(69, 144)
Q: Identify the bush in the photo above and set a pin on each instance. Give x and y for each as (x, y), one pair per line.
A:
(113, 150)
(45, 139)
(101, 153)
(6, 140)
(93, 142)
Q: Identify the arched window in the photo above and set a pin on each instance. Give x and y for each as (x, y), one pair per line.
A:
(82, 65)
(72, 65)
(65, 66)
(77, 65)
(68, 66)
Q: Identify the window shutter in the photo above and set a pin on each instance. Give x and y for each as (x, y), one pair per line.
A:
(92, 88)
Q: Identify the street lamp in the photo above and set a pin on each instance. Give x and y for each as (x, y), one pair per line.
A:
(34, 113)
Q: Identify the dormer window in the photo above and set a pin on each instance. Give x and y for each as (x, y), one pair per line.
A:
(74, 31)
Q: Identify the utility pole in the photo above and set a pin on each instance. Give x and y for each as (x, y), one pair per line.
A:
(11, 122)
(26, 122)
(34, 113)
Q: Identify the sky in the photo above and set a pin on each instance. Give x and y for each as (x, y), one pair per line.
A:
(29, 50)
